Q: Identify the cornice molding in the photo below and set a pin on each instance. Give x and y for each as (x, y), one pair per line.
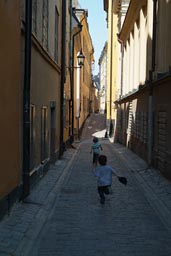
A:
(131, 16)
(117, 6)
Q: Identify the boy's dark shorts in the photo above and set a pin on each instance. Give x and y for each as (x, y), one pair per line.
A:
(95, 158)
(104, 189)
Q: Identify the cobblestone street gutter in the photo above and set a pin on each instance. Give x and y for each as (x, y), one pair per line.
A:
(154, 186)
(19, 230)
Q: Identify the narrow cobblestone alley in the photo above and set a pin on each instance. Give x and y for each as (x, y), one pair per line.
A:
(127, 225)
(63, 215)
(70, 71)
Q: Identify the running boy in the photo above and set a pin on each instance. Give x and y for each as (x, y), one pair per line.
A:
(104, 173)
(95, 148)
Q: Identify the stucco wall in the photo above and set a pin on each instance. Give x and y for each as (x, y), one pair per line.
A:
(9, 96)
(162, 127)
(45, 88)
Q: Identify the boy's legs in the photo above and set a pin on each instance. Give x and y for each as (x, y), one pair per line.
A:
(95, 159)
(101, 194)
(105, 190)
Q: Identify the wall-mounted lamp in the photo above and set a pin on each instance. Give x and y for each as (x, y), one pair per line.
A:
(80, 58)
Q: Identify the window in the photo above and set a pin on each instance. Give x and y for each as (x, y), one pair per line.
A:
(44, 133)
(34, 17)
(56, 34)
(45, 24)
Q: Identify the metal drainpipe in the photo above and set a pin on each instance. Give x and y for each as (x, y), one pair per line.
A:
(70, 64)
(150, 103)
(154, 35)
(122, 54)
(72, 38)
(63, 57)
(111, 66)
(111, 62)
(26, 100)
(121, 89)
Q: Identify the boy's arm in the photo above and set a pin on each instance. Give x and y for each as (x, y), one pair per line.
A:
(114, 172)
(95, 172)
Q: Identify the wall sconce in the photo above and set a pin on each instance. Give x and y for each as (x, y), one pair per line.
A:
(80, 58)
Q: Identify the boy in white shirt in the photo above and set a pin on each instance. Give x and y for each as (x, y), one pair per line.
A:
(104, 173)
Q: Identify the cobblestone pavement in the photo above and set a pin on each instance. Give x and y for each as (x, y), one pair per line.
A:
(64, 216)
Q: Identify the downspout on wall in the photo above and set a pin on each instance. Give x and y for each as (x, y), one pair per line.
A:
(70, 64)
(26, 100)
(63, 78)
(122, 56)
(110, 123)
(118, 101)
(72, 45)
(111, 61)
(150, 102)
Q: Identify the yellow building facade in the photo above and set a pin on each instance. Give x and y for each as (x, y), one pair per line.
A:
(86, 80)
(82, 75)
(116, 11)
(78, 77)
(111, 66)
(45, 83)
(10, 129)
(43, 94)
(56, 100)
(143, 108)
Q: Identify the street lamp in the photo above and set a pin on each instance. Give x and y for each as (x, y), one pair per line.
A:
(80, 58)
